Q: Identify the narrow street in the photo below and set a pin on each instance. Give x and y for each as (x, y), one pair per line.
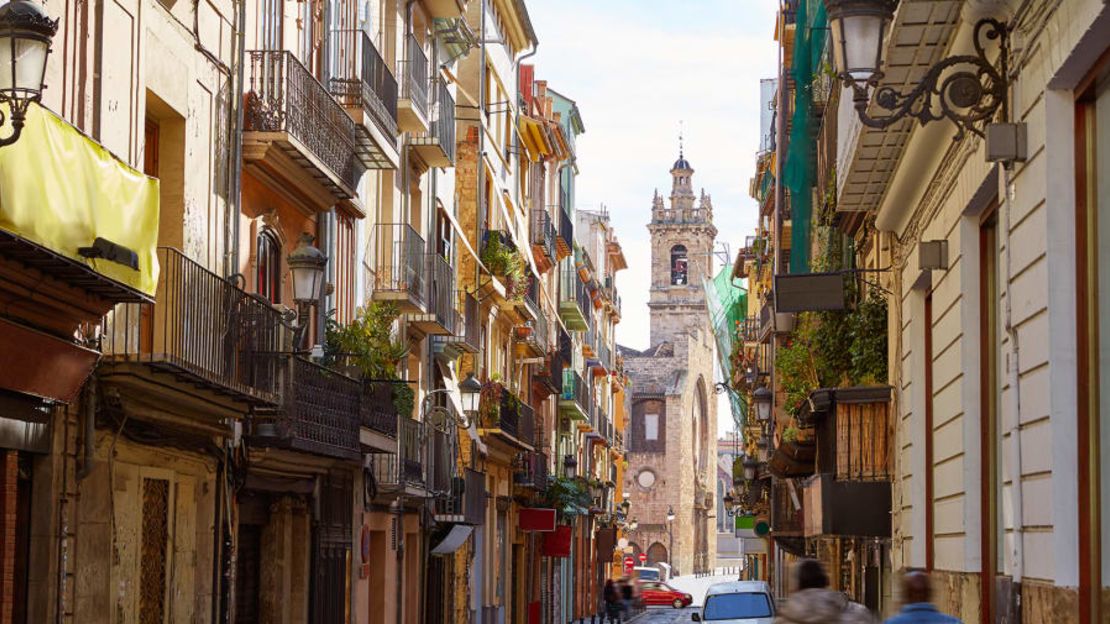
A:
(664, 615)
(695, 586)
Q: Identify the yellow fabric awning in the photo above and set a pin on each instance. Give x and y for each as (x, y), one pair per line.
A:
(534, 138)
(62, 190)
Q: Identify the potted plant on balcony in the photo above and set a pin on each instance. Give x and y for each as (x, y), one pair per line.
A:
(489, 402)
(506, 262)
(366, 346)
(568, 496)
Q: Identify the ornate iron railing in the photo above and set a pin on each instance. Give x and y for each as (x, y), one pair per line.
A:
(320, 411)
(368, 84)
(400, 261)
(543, 234)
(414, 75)
(565, 239)
(466, 502)
(406, 467)
(441, 293)
(443, 119)
(575, 389)
(378, 410)
(285, 97)
(531, 470)
(202, 327)
(517, 419)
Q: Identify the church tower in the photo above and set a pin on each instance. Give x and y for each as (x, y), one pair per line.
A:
(682, 238)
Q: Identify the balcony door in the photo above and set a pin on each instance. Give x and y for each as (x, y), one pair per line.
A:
(1092, 141)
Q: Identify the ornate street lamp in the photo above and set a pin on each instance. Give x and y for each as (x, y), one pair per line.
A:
(762, 398)
(972, 92)
(307, 263)
(670, 535)
(750, 467)
(570, 466)
(470, 390)
(25, 35)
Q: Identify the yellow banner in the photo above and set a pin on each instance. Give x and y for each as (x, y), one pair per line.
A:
(62, 190)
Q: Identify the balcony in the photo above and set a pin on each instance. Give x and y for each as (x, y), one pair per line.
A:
(787, 518)
(531, 470)
(467, 340)
(319, 414)
(366, 88)
(515, 424)
(437, 146)
(574, 401)
(532, 338)
(542, 239)
(412, 107)
(574, 302)
(564, 240)
(378, 415)
(466, 503)
(202, 331)
(401, 472)
(529, 308)
(442, 317)
(400, 263)
(297, 137)
(548, 379)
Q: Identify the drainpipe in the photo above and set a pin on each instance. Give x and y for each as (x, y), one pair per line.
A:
(235, 183)
(1014, 371)
(399, 514)
(88, 424)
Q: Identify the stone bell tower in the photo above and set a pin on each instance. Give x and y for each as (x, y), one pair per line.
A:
(682, 238)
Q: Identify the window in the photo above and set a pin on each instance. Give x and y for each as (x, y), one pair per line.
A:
(737, 606)
(269, 20)
(268, 261)
(651, 427)
(678, 266)
(992, 527)
(346, 273)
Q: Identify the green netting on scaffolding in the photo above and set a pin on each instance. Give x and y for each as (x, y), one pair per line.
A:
(728, 306)
(798, 171)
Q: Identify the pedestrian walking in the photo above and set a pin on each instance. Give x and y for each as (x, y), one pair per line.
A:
(917, 606)
(614, 603)
(628, 594)
(814, 603)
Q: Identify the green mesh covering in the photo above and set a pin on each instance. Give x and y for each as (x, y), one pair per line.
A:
(798, 172)
(728, 305)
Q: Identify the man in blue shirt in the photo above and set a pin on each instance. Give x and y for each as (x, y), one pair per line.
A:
(917, 609)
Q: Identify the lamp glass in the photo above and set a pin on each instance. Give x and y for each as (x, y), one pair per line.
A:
(307, 263)
(470, 390)
(762, 399)
(749, 472)
(670, 514)
(22, 65)
(857, 28)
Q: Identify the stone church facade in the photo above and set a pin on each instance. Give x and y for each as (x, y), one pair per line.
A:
(672, 432)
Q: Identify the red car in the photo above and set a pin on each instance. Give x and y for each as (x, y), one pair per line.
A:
(655, 593)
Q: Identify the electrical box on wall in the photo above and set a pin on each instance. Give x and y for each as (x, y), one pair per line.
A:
(1007, 142)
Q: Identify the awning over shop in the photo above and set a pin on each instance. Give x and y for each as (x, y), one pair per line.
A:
(64, 191)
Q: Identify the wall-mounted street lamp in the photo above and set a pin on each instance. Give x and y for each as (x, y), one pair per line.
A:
(306, 264)
(730, 504)
(470, 390)
(25, 35)
(762, 398)
(967, 89)
(570, 466)
(751, 465)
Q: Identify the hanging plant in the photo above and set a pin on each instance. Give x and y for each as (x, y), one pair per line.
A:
(505, 261)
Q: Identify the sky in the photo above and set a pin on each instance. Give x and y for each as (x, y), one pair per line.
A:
(638, 69)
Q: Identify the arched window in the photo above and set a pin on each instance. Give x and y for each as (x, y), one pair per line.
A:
(268, 274)
(678, 265)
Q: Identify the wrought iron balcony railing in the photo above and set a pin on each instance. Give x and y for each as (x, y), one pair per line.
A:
(378, 411)
(201, 328)
(576, 394)
(531, 470)
(399, 266)
(444, 314)
(564, 240)
(466, 502)
(320, 411)
(549, 378)
(406, 467)
(517, 419)
(566, 346)
(437, 146)
(543, 235)
(414, 75)
(285, 97)
(574, 301)
(363, 82)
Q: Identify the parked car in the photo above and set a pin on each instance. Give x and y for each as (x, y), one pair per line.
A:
(737, 602)
(656, 593)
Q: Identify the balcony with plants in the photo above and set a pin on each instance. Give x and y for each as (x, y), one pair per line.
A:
(364, 85)
(531, 470)
(501, 257)
(532, 338)
(504, 417)
(365, 349)
(294, 130)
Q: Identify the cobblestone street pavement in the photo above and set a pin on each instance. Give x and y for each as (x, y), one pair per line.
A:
(664, 615)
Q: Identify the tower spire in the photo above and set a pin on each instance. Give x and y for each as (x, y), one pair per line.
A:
(680, 150)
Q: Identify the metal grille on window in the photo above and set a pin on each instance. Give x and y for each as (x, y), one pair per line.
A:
(152, 566)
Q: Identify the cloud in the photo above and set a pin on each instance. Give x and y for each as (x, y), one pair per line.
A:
(638, 67)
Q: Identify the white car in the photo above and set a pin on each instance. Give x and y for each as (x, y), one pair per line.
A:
(737, 602)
